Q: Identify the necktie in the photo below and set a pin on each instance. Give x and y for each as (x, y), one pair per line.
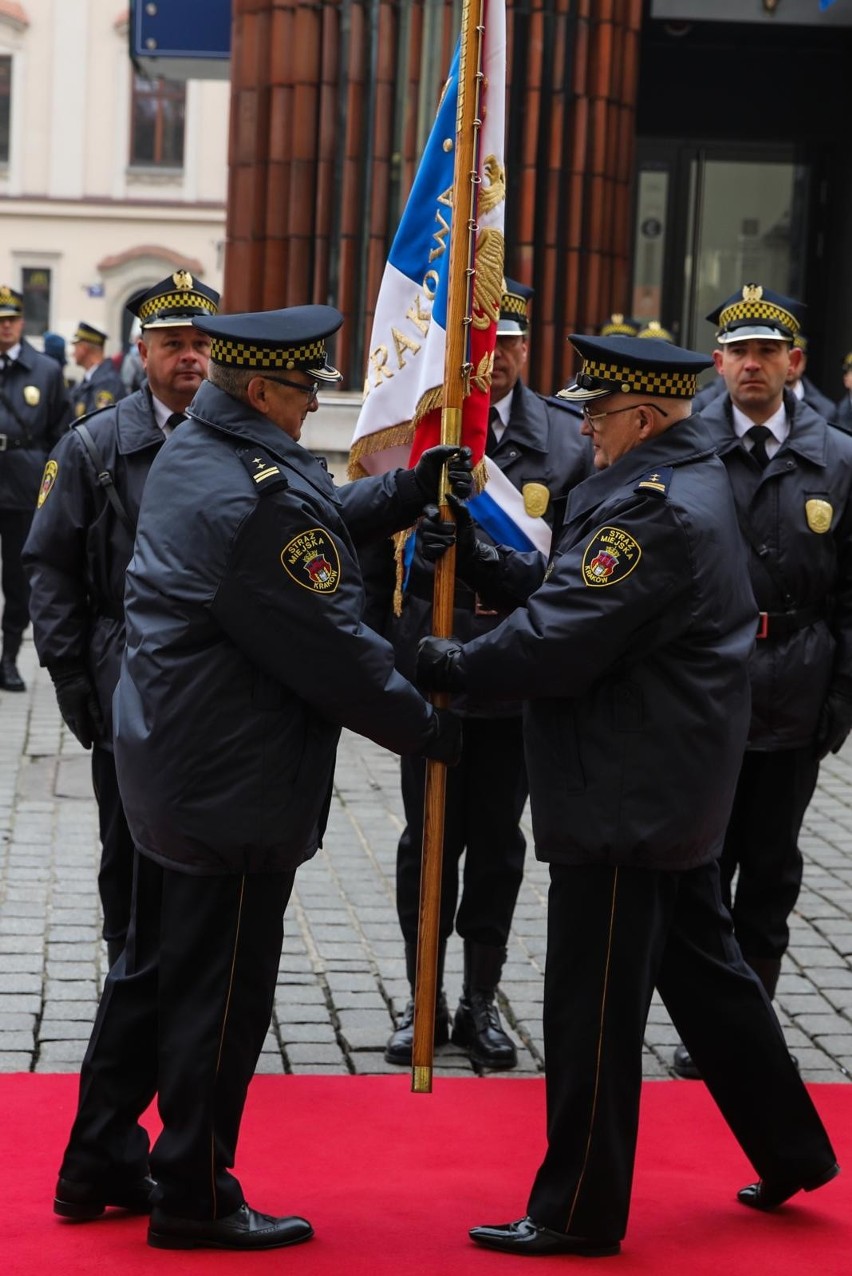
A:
(758, 435)
(175, 420)
(491, 439)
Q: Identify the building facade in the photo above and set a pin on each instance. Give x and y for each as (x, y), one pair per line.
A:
(108, 180)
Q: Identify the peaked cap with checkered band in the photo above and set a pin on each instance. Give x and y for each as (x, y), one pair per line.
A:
(173, 302)
(275, 340)
(756, 313)
(634, 365)
(514, 318)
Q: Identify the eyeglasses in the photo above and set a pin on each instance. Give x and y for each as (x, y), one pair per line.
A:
(594, 417)
(310, 390)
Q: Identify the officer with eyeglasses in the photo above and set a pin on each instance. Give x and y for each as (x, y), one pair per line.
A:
(246, 654)
(631, 651)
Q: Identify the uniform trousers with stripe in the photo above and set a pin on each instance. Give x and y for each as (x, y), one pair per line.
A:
(184, 1013)
(614, 933)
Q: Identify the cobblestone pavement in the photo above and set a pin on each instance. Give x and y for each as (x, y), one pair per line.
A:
(342, 976)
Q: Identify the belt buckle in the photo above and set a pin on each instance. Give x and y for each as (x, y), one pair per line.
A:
(4, 442)
(762, 625)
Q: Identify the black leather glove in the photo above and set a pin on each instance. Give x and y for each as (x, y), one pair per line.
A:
(459, 463)
(444, 743)
(835, 723)
(439, 665)
(78, 703)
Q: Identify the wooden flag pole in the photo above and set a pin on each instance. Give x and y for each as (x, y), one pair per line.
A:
(456, 384)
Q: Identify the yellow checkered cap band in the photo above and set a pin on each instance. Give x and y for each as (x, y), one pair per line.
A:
(675, 385)
(514, 306)
(11, 302)
(187, 301)
(760, 311)
(240, 354)
(617, 326)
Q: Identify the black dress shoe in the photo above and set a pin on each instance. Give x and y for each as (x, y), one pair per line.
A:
(10, 679)
(398, 1048)
(766, 1195)
(478, 1030)
(525, 1237)
(244, 1229)
(682, 1064)
(84, 1201)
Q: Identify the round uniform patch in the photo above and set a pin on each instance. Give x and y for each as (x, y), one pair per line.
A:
(312, 561)
(104, 398)
(610, 556)
(47, 481)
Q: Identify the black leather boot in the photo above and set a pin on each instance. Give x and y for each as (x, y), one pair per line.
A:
(476, 1026)
(398, 1049)
(10, 679)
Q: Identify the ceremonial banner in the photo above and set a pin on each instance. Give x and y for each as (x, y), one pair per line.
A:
(403, 390)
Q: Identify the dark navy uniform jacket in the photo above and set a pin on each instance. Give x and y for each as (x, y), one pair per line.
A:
(77, 552)
(541, 444)
(799, 510)
(632, 655)
(34, 412)
(102, 389)
(246, 652)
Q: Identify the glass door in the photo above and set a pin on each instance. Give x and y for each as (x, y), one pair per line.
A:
(708, 220)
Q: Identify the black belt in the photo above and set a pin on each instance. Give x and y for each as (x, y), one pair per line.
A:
(7, 443)
(780, 624)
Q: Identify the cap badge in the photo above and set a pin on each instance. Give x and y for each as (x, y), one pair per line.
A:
(182, 279)
(752, 292)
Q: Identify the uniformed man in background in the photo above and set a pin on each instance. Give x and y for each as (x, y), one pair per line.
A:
(100, 385)
(34, 412)
(246, 653)
(631, 653)
(81, 541)
(791, 476)
(534, 452)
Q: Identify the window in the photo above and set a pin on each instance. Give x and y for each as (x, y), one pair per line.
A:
(5, 101)
(35, 285)
(157, 116)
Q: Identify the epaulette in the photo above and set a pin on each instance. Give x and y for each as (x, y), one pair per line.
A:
(266, 473)
(94, 412)
(655, 482)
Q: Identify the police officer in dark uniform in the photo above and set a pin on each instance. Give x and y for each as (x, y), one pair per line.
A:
(81, 541)
(245, 655)
(803, 388)
(791, 476)
(34, 411)
(534, 449)
(632, 656)
(100, 386)
(843, 410)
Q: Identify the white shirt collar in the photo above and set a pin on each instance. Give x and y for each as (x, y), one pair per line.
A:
(161, 415)
(504, 410)
(777, 424)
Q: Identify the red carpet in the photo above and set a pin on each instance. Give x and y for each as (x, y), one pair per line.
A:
(391, 1182)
